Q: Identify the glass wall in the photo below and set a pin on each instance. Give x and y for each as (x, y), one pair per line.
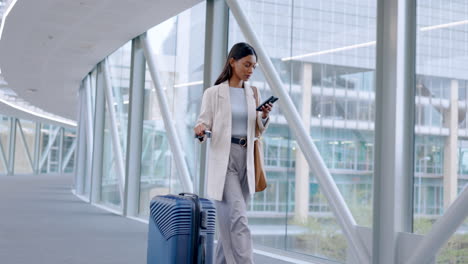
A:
(324, 52)
(68, 153)
(441, 111)
(110, 192)
(50, 143)
(5, 126)
(90, 104)
(178, 52)
(24, 151)
(119, 71)
(26, 156)
(325, 55)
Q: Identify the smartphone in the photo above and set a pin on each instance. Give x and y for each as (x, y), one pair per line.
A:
(270, 100)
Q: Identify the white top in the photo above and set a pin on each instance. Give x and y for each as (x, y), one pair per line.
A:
(239, 112)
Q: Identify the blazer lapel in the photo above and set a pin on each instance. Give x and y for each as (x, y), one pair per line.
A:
(251, 112)
(224, 101)
(224, 90)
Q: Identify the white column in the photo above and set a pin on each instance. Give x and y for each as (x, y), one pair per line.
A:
(450, 148)
(135, 127)
(80, 156)
(98, 136)
(60, 150)
(88, 133)
(301, 207)
(37, 150)
(216, 46)
(394, 127)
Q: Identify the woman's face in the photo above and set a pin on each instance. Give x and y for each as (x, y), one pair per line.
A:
(244, 67)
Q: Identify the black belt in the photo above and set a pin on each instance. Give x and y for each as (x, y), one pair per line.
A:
(240, 141)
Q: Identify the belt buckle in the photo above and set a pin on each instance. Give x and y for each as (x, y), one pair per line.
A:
(243, 144)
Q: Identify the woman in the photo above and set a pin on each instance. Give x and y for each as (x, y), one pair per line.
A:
(228, 110)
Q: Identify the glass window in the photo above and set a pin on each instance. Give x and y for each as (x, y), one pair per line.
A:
(50, 142)
(119, 71)
(179, 58)
(441, 66)
(24, 149)
(119, 67)
(68, 152)
(342, 96)
(110, 192)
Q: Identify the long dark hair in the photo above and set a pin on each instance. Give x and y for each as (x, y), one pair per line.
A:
(238, 51)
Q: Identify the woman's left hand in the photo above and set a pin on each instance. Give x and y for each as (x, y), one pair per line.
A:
(266, 110)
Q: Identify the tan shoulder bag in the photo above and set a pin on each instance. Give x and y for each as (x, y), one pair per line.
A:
(260, 177)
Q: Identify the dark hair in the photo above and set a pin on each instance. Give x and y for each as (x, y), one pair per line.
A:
(238, 51)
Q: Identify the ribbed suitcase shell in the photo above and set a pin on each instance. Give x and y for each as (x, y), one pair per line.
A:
(170, 230)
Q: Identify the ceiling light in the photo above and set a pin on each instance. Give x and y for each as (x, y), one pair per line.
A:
(361, 45)
(371, 43)
(63, 121)
(452, 24)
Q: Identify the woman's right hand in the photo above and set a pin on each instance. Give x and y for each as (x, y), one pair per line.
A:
(200, 130)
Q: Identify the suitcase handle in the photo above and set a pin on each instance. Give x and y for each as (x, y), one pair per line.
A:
(207, 133)
(188, 194)
(196, 225)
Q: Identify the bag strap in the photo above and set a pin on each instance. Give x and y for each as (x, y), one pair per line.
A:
(257, 130)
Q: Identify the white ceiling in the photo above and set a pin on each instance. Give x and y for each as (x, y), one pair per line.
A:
(50, 45)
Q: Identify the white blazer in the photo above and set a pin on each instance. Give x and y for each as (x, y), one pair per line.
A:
(216, 115)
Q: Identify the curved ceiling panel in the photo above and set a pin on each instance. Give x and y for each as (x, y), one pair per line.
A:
(51, 45)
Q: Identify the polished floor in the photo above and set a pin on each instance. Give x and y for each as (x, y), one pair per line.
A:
(41, 221)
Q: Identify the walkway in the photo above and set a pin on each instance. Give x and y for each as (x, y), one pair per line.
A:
(41, 221)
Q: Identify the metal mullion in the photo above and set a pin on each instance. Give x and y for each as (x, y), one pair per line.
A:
(336, 201)
(116, 142)
(135, 129)
(173, 139)
(466, 108)
(394, 127)
(68, 155)
(80, 157)
(51, 142)
(3, 158)
(12, 146)
(88, 124)
(98, 137)
(321, 98)
(25, 145)
(37, 142)
(62, 131)
(277, 202)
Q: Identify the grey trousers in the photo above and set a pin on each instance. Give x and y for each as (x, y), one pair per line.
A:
(234, 240)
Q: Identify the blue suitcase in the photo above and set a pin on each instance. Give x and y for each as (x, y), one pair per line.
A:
(181, 230)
